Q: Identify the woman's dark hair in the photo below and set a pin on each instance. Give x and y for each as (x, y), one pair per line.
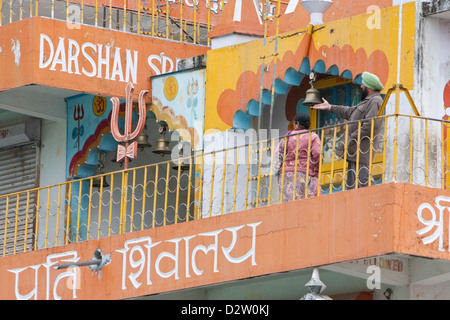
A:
(303, 120)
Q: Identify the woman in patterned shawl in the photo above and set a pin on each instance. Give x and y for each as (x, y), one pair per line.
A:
(298, 178)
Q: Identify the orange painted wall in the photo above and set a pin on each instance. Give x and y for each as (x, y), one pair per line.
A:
(323, 230)
(340, 9)
(152, 55)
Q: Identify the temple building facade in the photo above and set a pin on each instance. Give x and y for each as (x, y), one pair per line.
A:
(149, 150)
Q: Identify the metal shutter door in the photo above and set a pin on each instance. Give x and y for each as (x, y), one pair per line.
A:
(18, 173)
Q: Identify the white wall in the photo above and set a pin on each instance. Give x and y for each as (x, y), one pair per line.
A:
(53, 153)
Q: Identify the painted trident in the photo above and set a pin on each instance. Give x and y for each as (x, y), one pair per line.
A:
(129, 151)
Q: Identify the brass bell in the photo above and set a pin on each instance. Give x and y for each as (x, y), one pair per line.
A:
(142, 141)
(312, 96)
(162, 144)
(181, 164)
(96, 182)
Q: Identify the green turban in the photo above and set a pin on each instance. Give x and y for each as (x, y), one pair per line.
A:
(371, 81)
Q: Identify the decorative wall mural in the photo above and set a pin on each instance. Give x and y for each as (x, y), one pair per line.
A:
(179, 100)
(87, 122)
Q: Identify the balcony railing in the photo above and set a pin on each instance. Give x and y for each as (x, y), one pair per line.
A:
(407, 149)
(186, 21)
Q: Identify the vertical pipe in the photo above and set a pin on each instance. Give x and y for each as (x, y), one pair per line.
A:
(358, 150)
(100, 205)
(132, 200)
(166, 192)
(96, 13)
(261, 89)
(47, 217)
(235, 178)
(90, 207)
(153, 18)
(383, 177)
(144, 192)
(69, 212)
(200, 200)
(125, 28)
(110, 14)
(258, 186)
(248, 174)
(139, 17)
(275, 64)
(332, 160)
(123, 206)
(27, 208)
(307, 165)
(6, 225)
(395, 148)
(319, 176)
(212, 184)
(58, 212)
(167, 19)
(209, 20)
(37, 218)
(223, 182)
(272, 146)
(371, 151)
(111, 188)
(155, 195)
(16, 222)
(295, 167)
(188, 200)
(283, 169)
(21, 10)
(344, 169)
(80, 190)
(177, 197)
(195, 22)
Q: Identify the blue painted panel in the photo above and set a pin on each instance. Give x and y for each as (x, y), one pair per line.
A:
(347, 74)
(253, 107)
(241, 120)
(319, 67)
(305, 67)
(292, 77)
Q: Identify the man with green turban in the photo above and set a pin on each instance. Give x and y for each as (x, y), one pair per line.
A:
(371, 101)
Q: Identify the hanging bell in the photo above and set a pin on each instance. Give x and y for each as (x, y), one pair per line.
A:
(181, 164)
(312, 96)
(96, 182)
(142, 141)
(162, 144)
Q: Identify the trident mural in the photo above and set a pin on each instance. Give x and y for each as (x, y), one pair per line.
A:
(129, 151)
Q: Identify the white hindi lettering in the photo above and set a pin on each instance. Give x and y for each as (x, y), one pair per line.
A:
(103, 61)
(434, 222)
(51, 286)
(137, 263)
